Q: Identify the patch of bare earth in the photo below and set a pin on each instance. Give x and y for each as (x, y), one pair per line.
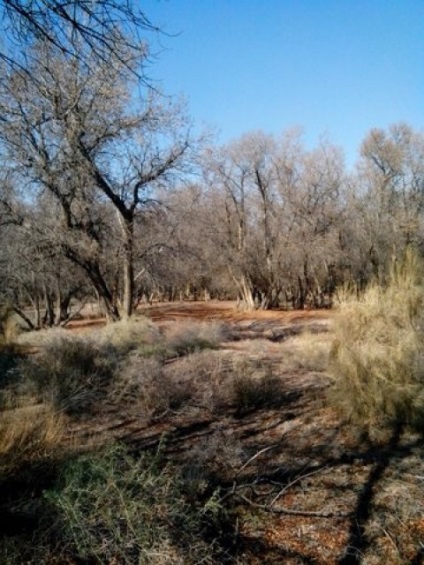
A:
(304, 487)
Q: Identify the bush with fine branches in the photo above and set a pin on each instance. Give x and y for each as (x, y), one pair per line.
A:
(377, 357)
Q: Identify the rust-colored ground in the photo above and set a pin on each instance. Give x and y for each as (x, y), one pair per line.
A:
(212, 310)
(225, 310)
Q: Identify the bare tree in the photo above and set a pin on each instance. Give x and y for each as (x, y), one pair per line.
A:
(390, 185)
(109, 30)
(80, 136)
(277, 216)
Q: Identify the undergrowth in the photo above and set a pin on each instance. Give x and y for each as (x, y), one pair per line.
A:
(377, 358)
(116, 507)
(254, 386)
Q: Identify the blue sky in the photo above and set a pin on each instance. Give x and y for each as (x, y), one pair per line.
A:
(336, 68)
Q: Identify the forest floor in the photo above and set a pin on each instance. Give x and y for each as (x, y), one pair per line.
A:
(310, 490)
(306, 487)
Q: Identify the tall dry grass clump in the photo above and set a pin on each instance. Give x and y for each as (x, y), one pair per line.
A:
(377, 358)
(27, 434)
(9, 327)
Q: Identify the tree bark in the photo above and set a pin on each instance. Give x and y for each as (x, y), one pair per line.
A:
(128, 268)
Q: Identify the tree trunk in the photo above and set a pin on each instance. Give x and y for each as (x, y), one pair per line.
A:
(63, 304)
(246, 294)
(24, 317)
(97, 279)
(92, 269)
(48, 319)
(128, 269)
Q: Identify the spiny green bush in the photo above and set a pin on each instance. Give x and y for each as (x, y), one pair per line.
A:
(113, 507)
(377, 358)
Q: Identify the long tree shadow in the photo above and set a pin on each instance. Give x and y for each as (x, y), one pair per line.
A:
(358, 542)
(380, 460)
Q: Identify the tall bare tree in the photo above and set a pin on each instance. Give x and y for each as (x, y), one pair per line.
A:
(390, 181)
(77, 133)
(277, 215)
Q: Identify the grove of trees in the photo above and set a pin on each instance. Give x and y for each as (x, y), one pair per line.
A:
(106, 192)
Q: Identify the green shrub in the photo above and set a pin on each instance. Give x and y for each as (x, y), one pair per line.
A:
(377, 358)
(116, 508)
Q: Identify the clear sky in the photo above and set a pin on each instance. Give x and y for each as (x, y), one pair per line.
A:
(333, 67)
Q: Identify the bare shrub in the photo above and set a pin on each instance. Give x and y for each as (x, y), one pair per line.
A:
(75, 372)
(255, 386)
(71, 372)
(143, 382)
(129, 335)
(213, 459)
(197, 381)
(377, 358)
(205, 375)
(188, 337)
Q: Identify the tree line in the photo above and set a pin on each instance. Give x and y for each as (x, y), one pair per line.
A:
(107, 192)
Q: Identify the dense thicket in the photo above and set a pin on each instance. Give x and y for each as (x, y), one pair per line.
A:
(267, 221)
(106, 193)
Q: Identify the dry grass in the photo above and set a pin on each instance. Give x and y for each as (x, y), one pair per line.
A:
(28, 434)
(29, 429)
(378, 353)
(9, 327)
(187, 337)
(128, 335)
(154, 387)
(308, 351)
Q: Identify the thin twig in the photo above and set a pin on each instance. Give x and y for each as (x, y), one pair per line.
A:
(294, 512)
(264, 450)
(293, 482)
